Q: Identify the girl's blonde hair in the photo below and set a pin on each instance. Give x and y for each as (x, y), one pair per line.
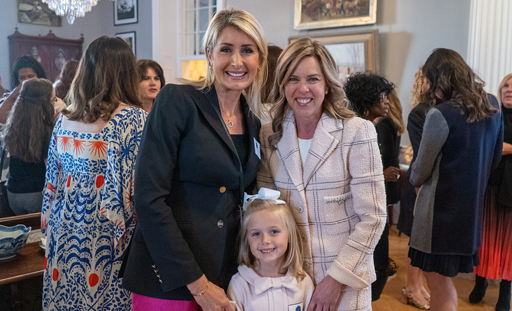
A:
(293, 256)
(246, 23)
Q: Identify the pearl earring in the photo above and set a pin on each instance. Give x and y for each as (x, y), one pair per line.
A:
(326, 92)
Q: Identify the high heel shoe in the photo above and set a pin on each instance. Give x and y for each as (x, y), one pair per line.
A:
(408, 299)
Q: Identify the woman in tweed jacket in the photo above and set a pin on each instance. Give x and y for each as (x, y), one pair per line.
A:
(326, 163)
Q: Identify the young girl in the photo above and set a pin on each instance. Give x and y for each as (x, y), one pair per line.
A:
(270, 275)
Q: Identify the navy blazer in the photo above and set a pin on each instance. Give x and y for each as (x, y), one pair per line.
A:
(189, 184)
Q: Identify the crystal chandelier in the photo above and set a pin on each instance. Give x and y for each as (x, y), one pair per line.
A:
(71, 8)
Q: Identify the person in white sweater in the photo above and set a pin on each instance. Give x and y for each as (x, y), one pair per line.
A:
(270, 276)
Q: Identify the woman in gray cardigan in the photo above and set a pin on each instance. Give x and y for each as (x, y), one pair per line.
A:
(461, 143)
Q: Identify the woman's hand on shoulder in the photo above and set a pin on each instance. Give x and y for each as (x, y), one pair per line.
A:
(212, 298)
(326, 295)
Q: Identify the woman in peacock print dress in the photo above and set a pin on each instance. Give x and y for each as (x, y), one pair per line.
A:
(87, 214)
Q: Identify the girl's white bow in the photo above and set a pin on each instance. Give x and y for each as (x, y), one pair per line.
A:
(263, 194)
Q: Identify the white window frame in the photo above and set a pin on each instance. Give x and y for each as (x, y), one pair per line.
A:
(181, 7)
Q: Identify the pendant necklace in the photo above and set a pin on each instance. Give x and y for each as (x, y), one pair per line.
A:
(229, 115)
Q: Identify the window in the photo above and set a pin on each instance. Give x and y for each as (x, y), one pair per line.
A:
(195, 18)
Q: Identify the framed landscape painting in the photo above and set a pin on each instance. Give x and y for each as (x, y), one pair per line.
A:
(353, 52)
(37, 13)
(315, 14)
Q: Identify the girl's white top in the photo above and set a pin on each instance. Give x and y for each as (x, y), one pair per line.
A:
(250, 291)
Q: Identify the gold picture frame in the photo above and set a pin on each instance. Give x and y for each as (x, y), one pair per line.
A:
(353, 52)
(316, 14)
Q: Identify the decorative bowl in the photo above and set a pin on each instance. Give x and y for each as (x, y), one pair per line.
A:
(12, 240)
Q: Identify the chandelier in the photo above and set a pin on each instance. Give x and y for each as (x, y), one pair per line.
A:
(71, 8)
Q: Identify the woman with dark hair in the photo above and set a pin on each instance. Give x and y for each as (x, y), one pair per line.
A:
(326, 164)
(25, 67)
(389, 130)
(151, 81)
(496, 251)
(461, 143)
(27, 136)
(63, 83)
(368, 94)
(88, 215)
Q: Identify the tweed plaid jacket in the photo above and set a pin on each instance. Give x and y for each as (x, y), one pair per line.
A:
(338, 199)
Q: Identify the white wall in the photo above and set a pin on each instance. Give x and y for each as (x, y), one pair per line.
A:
(408, 32)
(100, 21)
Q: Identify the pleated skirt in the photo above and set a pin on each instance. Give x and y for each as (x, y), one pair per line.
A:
(496, 251)
(447, 265)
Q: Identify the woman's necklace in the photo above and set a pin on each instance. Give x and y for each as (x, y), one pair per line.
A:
(229, 115)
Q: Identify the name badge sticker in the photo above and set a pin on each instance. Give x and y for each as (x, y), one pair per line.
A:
(295, 307)
(257, 148)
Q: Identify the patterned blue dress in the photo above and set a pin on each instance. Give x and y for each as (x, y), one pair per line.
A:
(88, 215)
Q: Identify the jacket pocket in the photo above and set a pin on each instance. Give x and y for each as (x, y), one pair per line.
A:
(338, 198)
(338, 214)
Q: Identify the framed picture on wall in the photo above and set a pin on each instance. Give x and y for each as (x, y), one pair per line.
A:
(315, 14)
(353, 52)
(126, 12)
(129, 37)
(38, 13)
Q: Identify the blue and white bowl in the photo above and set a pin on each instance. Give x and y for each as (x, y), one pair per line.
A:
(12, 240)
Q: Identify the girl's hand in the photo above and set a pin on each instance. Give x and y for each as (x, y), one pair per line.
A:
(391, 174)
(326, 295)
(213, 299)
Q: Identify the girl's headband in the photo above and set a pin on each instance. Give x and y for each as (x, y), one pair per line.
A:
(263, 194)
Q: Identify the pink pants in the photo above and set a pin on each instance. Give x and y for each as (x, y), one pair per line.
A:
(144, 303)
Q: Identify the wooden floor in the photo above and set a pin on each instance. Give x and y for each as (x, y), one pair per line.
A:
(390, 299)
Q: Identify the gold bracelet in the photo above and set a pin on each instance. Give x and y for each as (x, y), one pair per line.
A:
(203, 291)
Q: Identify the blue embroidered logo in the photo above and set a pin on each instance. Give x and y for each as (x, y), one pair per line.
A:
(295, 307)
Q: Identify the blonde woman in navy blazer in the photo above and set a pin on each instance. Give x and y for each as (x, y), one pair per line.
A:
(336, 188)
(199, 153)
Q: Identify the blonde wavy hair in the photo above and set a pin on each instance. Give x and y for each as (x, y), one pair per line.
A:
(293, 256)
(417, 92)
(502, 85)
(246, 23)
(395, 111)
(335, 103)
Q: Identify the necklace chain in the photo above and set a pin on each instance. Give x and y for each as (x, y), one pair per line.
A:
(229, 115)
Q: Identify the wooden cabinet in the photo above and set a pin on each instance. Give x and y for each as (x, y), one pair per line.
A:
(51, 51)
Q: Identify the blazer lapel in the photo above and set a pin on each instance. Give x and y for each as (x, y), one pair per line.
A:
(322, 146)
(288, 152)
(211, 111)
